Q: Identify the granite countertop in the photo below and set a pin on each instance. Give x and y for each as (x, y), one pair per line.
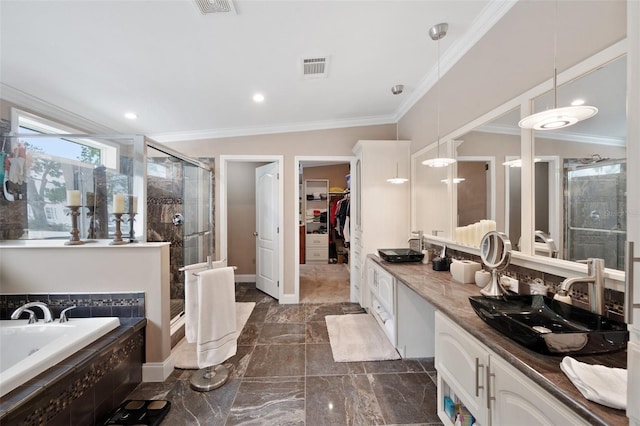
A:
(451, 298)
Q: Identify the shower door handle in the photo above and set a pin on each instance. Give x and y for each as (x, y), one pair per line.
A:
(178, 219)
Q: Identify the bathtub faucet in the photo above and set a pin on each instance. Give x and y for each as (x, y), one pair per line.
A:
(48, 316)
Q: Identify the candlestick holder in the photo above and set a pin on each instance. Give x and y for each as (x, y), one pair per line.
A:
(132, 232)
(117, 240)
(75, 239)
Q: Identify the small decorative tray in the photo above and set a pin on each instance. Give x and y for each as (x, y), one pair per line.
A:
(400, 255)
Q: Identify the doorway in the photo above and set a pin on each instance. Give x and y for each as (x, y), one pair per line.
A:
(322, 248)
(236, 177)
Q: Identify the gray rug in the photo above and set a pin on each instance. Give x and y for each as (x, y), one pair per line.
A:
(184, 354)
(358, 338)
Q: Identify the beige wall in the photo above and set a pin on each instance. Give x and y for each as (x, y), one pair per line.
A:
(241, 211)
(513, 57)
(333, 142)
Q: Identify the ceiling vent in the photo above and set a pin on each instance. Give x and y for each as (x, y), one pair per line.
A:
(215, 6)
(315, 67)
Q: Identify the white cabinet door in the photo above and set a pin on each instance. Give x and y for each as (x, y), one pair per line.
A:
(515, 400)
(462, 363)
(386, 292)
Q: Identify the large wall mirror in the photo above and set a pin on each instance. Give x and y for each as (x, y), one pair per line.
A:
(582, 169)
(500, 138)
(431, 195)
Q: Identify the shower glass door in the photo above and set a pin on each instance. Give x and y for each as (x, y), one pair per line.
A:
(179, 211)
(596, 206)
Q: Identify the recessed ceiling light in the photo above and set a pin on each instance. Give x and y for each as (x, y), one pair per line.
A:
(577, 102)
(258, 97)
(131, 115)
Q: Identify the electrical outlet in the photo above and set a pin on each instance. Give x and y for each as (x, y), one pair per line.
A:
(509, 283)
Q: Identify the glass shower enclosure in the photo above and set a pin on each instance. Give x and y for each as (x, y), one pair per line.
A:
(179, 211)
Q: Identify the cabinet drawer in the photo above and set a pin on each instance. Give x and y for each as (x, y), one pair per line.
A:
(317, 240)
(316, 254)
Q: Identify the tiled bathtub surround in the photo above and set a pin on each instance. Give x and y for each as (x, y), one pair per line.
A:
(579, 292)
(85, 387)
(122, 305)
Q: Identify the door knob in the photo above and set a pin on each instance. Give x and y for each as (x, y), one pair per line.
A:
(255, 234)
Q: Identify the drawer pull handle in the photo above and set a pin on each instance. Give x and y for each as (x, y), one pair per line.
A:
(489, 397)
(478, 367)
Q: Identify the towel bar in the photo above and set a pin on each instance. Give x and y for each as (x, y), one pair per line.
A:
(195, 274)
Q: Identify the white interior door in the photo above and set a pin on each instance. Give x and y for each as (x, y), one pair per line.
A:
(267, 250)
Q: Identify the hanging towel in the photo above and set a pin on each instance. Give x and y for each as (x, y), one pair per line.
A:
(191, 296)
(597, 383)
(217, 340)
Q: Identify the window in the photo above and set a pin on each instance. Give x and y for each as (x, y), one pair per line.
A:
(53, 158)
(59, 148)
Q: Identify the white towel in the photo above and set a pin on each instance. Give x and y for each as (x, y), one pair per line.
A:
(217, 340)
(191, 296)
(597, 383)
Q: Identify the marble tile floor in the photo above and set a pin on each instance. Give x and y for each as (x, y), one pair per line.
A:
(324, 283)
(284, 374)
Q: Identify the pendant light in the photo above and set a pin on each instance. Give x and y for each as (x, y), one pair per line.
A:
(437, 32)
(397, 180)
(557, 118)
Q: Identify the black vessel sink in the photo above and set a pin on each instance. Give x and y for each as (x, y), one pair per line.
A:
(548, 326)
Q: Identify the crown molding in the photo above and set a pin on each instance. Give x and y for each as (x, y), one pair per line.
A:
(267, 130)
(492, 13)
(26, 101)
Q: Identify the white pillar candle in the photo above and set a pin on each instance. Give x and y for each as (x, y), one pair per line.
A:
(73, 198)
(118, 203)
(133, 204)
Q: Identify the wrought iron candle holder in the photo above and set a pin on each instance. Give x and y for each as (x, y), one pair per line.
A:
(132, 232)
(117, 239)
(75, 239)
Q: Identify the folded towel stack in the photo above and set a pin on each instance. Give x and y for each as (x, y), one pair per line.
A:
(604, 385)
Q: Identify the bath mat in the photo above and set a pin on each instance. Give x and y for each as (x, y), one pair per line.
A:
(358, 337)
(184, 354)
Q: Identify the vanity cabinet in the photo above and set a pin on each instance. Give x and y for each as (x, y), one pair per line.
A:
(381, 298)
(493, 391)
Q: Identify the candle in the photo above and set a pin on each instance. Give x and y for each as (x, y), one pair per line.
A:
(118, 203)
(90, 199)
(73, 198)
(133, 204)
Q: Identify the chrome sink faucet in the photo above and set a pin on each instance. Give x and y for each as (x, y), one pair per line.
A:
(595, 279)
(48, 316)
(420, 240)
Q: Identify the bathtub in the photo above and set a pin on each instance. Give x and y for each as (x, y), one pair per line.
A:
(27, 350)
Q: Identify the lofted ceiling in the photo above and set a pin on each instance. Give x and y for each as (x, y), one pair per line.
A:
(188, 75)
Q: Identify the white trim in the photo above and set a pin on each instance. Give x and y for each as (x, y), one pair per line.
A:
(296, 210)
(157, 371)
(245, 278)
(25, 100)
(221, 185)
